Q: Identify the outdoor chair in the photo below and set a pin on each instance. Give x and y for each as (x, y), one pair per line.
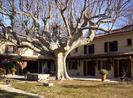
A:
(124, 78)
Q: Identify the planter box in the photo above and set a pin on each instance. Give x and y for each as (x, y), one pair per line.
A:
(36, 77)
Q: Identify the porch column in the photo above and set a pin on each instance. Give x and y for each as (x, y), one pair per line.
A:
(112, 68)
(98, 63)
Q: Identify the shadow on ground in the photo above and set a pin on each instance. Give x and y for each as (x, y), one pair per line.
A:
(5, 94)
(103, 85)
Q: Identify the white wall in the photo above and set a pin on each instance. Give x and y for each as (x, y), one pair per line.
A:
(99, 43)
(23, 52)
(99, 49)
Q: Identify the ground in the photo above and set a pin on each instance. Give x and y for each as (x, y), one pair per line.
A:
(77, 89)
(5, 94)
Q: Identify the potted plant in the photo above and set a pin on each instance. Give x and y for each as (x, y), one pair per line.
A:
(103, 73)
(13, 71)
(8, 66)
(2, 71)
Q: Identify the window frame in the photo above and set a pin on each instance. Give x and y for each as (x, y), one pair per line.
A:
(76, 50)
(73, 65)
(9, 50)
(129, 42)
(89, 49)
(111, 46)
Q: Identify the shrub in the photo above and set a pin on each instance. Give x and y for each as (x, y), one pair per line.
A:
(2, 71)
(13, 70)
(104, 72)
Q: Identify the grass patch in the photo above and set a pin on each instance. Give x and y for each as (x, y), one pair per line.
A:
(78, 89)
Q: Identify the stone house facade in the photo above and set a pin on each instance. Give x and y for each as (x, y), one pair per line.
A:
(112, 51)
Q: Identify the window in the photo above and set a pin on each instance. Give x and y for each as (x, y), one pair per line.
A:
(85, 49)
(129, 42)
(110, 46)
(10, 49)
(113, 46)
(73, 65)
(106, 65)
(89, 49)
(76, 49)
(35, 53)
(105, 46)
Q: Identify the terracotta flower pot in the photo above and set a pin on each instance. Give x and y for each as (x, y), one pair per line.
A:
(13, 73)
(103, 77)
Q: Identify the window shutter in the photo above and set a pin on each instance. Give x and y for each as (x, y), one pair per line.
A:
(116, 45)
(105, 46)
(85, 49)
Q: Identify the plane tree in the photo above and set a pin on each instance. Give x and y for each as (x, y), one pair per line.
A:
(56, 27)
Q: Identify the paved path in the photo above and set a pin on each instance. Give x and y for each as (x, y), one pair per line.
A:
(95, 79)
(11, 89)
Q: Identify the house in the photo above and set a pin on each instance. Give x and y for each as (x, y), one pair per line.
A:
(112, 51)
(29, 61)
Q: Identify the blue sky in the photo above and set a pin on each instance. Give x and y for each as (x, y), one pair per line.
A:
(118, 24)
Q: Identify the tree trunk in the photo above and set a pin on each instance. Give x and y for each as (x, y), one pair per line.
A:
(61, 67)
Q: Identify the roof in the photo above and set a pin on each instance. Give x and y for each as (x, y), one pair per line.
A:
(25, 58)
(127, 28)
(97, 56)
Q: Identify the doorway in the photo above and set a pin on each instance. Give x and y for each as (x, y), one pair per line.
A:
(32, 66)
(125, 67)
(89, 68)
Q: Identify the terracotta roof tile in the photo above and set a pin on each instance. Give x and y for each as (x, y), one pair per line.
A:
(124, 29)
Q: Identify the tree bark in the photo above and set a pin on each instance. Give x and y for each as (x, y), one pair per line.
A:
(61, 67)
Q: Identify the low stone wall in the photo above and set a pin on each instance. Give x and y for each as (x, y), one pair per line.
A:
(37, 77)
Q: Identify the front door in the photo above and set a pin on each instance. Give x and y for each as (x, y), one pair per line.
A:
(89, 68)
